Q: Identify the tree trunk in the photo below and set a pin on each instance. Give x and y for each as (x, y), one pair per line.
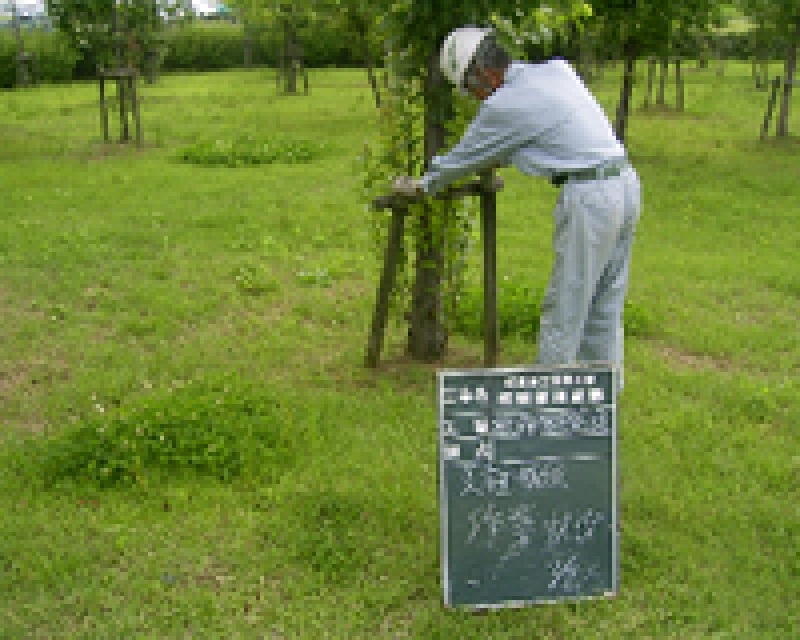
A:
(702, 61)
(362, 32)
(791, 63)
(630, 52)
(427, 338)
(248, 45)
(662, 81)
(586, 57)
(23, 78)
(651, 74)
(291, 44)
(678, 85)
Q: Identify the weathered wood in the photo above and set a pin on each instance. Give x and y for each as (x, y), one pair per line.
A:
(123, 111)
(103, 109)
(651, 72)
(122, 77)
(791, 63)
(662, 82)
(469, 189)
(776, 83)
(135, 106)
(488, 218)
(487, 187)
(27, 72)
(391, 260)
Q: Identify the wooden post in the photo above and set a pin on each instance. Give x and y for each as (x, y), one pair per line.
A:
(135, 107)
(776, 84)
(123, 114)
(390, 262)
(662, 82)
(488, 216)
(486, 188)
(126, 90)
(651, 72)
(103, 106)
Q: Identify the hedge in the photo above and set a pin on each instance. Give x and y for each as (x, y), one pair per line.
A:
(206, 46)
(55, 58)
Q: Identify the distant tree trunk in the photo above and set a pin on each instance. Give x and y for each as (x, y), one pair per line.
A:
(678, 84)
(791, 63)
(133, 51)
(248, 44)
(362, 32)
(586, 57)
(662, 81)
(291, 45)
(651, 74)
(427, 339)
(630, 51)
(757, 66)
(702, 51)
(718, 48)
(23, 79)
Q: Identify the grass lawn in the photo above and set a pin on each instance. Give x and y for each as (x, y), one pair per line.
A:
(141, 293)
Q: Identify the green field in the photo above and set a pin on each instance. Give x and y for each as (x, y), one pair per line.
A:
(138, 292)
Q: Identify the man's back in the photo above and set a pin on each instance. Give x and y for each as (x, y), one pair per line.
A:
(564, 126)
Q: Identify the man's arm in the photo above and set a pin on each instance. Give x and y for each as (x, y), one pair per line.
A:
(489, 142)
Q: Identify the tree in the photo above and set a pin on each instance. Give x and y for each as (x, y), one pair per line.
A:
(292, 19)
(645, 27)
(783, 17)
(363, 18)
(89, 24)
(420, 117)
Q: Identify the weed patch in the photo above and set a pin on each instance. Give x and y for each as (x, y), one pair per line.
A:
(518, 311)
(247, 151)
(254, 280)
(225, 430)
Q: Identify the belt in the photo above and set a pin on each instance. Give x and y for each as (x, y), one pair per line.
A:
(597, 173)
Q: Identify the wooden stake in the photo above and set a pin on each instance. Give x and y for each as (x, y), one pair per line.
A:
(488, 215)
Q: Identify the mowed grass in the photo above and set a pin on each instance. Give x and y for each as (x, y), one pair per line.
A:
(294, 493)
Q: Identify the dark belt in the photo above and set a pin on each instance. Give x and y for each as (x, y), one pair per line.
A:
(598, 173)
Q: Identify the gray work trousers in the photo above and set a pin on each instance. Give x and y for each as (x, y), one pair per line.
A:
(581, 314)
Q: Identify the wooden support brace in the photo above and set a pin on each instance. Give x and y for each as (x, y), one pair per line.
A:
(486, 188)
(776, 84)
(387, 285)
(488, 218)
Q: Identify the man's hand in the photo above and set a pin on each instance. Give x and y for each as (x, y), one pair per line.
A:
(406, 186)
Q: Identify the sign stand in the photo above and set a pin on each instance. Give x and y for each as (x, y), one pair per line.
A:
(127, 79)
(487, 188)
(528, 485)
(773, 98)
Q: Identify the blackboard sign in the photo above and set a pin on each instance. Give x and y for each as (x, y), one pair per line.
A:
(528, 491)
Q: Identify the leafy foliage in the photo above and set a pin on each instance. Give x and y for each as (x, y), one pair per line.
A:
(413, 32)
(246, 151)
(254, 280)
(89, 25)
(223, 428)
(518, 313)
(55, 57)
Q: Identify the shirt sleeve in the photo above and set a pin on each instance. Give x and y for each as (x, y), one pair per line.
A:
(491, 139)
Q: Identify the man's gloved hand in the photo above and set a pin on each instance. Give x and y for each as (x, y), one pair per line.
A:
(407, 186)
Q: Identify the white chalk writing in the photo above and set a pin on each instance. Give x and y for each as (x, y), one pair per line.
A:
(572, 527)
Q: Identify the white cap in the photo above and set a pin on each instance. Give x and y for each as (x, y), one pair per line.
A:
(458, 51)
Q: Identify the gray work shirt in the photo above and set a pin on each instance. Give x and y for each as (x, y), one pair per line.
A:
(542, 119)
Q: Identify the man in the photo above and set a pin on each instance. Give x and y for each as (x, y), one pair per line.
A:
(543, 119)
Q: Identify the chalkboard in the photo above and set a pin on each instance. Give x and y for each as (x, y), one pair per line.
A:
(528, 490)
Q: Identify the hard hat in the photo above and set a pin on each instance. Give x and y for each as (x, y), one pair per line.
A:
(457, 52)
